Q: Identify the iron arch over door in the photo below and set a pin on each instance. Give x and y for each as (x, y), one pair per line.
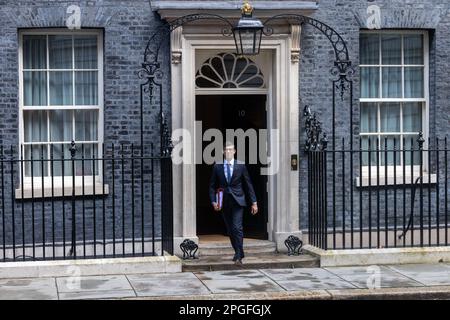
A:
(153, 77)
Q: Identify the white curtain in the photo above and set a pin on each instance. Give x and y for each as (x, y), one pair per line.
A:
(391, 61)
(76, 85)
(385, 51)
(35, 130)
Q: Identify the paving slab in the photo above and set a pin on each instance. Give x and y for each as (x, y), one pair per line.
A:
(113, 294)
(298, 274)
(360, 270)
(230, 275)
(316, 284)
(432, 280)
(28, 289)
(423, 270)
(369, 281)
(167, 284)
(93, 283)
(242, 285)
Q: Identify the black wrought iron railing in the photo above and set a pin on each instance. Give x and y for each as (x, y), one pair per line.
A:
(114, 202)
(367, 196)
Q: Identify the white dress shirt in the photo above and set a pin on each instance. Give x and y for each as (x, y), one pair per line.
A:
(231, 168)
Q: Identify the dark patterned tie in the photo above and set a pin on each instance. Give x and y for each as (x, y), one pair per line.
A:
(228, 172)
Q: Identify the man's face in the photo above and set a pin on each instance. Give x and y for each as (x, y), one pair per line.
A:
(229, 152)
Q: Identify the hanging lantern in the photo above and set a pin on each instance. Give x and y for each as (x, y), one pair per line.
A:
(248, 33)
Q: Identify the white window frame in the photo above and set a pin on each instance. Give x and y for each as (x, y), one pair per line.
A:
(425, 115)
(54, 186)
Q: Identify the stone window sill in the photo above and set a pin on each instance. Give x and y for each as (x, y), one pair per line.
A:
(47, 192)
(364, 182)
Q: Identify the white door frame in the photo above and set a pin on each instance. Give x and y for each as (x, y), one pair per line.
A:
(283, 114)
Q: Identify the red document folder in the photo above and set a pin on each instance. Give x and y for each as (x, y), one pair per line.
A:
(219, 197)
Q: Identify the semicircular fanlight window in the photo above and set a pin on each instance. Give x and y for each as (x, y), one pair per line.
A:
(226, 70)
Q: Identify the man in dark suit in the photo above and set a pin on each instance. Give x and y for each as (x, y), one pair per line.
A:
(232, 176)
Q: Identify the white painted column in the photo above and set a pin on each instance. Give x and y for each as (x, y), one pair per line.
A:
(182, 195)
(288, 181)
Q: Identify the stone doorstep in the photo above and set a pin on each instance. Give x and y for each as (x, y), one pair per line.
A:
(229, 251)
(223, 247)
(257, 261)
(90, 267)
(384, 256)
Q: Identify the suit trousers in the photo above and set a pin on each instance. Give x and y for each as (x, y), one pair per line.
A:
(232, 216)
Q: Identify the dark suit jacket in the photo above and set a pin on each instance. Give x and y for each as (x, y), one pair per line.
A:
(239, 179)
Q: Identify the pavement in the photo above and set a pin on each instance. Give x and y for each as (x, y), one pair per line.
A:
(379, 282)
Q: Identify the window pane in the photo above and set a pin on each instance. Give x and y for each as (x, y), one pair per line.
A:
(86, 88)
(89, 151)
(388, 144)
(392, 82)
(370, 82)
(412, 117)
(414, 82)
(246, 40)
(217, 64)
(38, 153)
(61, 125)
(369, 48)
(254, 82)
(86, 125)
(250, 72)
(35, 126)
(412, 149)
(373, 147)
(61, 88)
(34, 52)
(369, 117)
(35, 88)
(85, 52)
(391, 46)
(229, 62)
(205, 83)
(413, 46)
(61, 155)
(241, 63)
(208, 72)
(60, 51)
(390, 117)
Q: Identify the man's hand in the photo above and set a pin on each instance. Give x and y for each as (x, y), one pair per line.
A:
(216, 206)
(254, 208)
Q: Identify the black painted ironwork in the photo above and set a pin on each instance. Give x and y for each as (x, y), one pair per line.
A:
(73, 150)
(413, 198)
(342, 65)
(294, 245)
(36, 213)
(189, 249)
(313, 128)
(373, 204)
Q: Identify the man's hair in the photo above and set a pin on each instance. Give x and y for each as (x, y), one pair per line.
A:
(229, 144)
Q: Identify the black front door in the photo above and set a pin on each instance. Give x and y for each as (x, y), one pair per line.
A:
(232, 112)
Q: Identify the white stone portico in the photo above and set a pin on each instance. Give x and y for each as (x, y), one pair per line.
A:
(280, 59)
